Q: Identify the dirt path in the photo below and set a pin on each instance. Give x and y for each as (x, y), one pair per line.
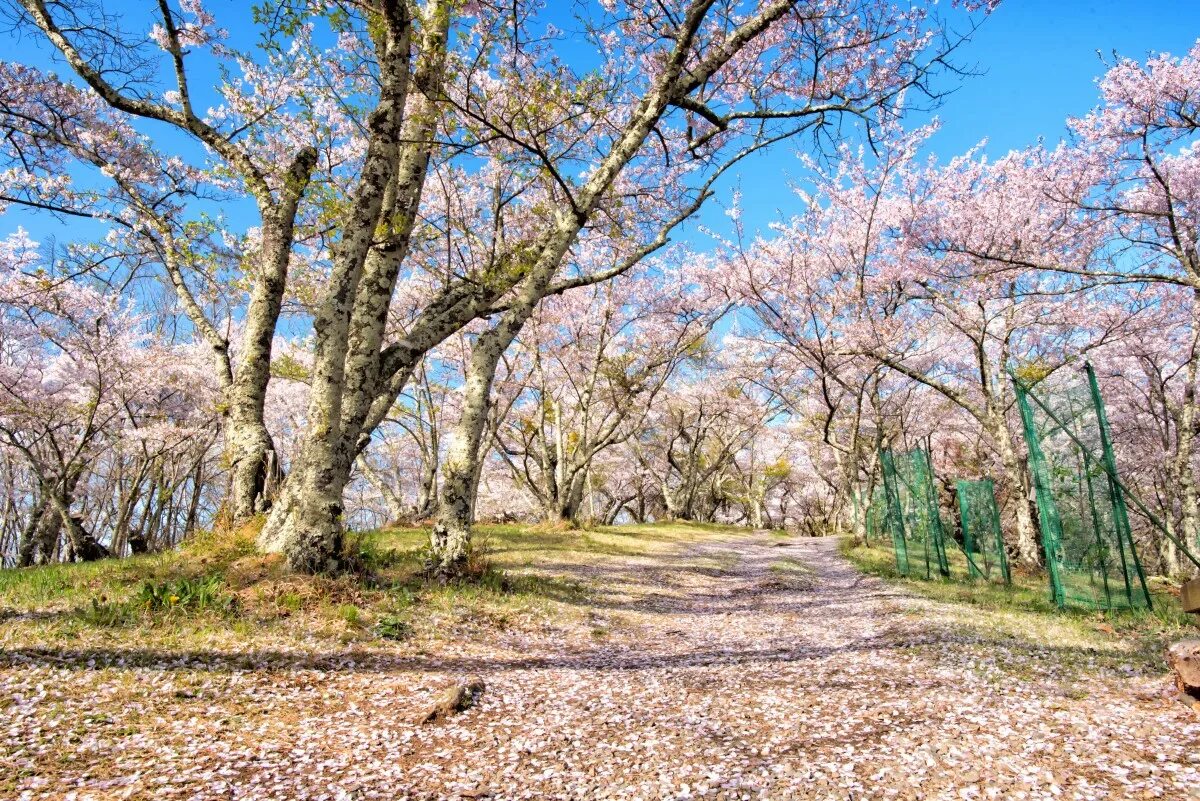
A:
(734, 673)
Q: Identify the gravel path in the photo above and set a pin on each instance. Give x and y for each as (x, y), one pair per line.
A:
(733, 674)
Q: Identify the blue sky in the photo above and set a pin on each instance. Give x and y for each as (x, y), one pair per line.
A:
(1037, 63)
(1040, 61)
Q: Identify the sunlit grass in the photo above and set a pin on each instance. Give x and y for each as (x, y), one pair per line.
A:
(1023, 614)
(525, 572)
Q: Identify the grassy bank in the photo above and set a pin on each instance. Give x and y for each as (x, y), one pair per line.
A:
(218, 593)
(1023, 615)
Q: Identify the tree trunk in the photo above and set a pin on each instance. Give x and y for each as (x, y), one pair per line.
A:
(350, 322)
(52, 516)
(674, 508)
(1168, 553)
(39, 536)
(450, 540)
(251, 455)
(1187, 437)
(564, 504)
(254, 467)
(1028, 550)
(83, 546)
(138, 543)
(349, 376)
(193, 512)
(757, 492)
(393, 501)
(574, 499)
(306, 520)
(451, 537)
(426, 503)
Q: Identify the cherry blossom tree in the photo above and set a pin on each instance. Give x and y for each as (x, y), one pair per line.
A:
(84, 397)
(1113, 210)
(689, 448)
(814, 294)
(331, 130)
(1141, 144)
(1141, 379)
(260, 141)
(912, 268)
(675, 121)
(966, 320)
(597, 359)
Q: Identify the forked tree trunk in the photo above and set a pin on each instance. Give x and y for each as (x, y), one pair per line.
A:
(47, 524)
(306, 519)
(351, 319)
(348, 373)
(83, 545)
(564, 505)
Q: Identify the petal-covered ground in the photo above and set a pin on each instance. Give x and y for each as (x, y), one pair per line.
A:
(733, 669)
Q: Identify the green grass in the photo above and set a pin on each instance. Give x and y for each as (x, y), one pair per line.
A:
(65, 585)
(74, 583)
(226, 594)
(1024, 614)
(1028, 592)
(1023, 594)
(510, 545)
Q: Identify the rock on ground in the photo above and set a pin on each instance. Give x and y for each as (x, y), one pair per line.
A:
(1184, 659)
(452, 700)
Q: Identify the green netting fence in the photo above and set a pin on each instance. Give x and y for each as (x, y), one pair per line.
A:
(876, 523)
(983, 541)
(1091, 558)
(911, 513)
(1090, 555)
